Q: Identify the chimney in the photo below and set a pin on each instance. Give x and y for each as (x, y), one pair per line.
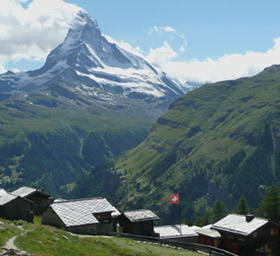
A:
(249, 217)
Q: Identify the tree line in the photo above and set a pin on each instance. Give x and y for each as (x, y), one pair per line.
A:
(268, 208)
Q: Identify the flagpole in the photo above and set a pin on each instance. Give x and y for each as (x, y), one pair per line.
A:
(174, 199)
(180, 213)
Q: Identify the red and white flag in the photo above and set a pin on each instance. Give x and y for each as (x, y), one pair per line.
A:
(174, 199)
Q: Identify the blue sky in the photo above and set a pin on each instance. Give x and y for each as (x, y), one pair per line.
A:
(207, 31)
(212, 27)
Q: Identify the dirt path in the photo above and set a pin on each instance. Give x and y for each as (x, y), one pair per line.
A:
(10, 245)
(11, 249)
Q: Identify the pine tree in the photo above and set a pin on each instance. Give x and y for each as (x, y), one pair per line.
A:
(205, 219)
(218, 211)
(242, 207)
(270, 205)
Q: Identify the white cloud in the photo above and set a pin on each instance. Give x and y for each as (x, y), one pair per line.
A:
(231, 66)
(184, 46)
(162, 29)
(172, 34)
(30, 33)
(126, 46)
(162, 54)
(182, 49)
(2, 68)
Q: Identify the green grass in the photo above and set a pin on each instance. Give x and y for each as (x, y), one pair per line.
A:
(37, 220)
(33, 118)
(52, 147)
(49, 241)
(217, 142)
(7, 230)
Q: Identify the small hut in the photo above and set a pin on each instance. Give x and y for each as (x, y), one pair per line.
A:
(139, 222)
(89, 216)
(208, 236)
(13, 207)
(41, 200)
(245, 235)
(179, 233)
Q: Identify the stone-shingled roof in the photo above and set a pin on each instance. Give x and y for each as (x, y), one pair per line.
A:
(4, 199)
(207, 232)
(175, 231)
(140, 215)
(237, 224)
(80, 212)
(26, 191)
(3, 192)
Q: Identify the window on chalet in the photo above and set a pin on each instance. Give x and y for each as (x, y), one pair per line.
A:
(103, 217)
(274, 231)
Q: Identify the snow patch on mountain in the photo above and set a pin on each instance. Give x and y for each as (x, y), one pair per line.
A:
(88, 64)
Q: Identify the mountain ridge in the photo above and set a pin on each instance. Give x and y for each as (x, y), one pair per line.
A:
(218, 142)
(96, 67)
(90, 101)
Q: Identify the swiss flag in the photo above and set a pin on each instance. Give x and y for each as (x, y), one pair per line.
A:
(174, 199)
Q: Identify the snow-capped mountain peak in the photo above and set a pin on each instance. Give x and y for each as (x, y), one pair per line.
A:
(92, 49)
(84, 30)
(87, 63)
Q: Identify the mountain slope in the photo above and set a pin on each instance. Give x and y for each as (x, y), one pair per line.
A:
(87, 64)
(218, 142)
(89, 102)
(44, 240)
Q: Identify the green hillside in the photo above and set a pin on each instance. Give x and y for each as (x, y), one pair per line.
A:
(51, 145)
(217, 142)
(40, 240)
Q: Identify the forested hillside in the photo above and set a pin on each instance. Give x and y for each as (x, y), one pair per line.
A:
(218, 142)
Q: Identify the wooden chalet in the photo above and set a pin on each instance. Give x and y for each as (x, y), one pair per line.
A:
(92, 216)
(208, 236)
(41, 200)
(139, 222)
(180, 233)
(13, 207)
(246, 235)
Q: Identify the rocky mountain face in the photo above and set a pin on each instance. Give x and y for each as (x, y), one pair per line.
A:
(87, 65)
(89, 102)
(218, 142)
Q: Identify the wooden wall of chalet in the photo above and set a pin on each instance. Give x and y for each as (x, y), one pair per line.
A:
(84, 229)
(41, 202)
(242, 245)
(106, 223)
(105, 228)
(93, 229)
(202, 239)
(190, 239)
(49, 217)
(17, 209)
(145, 228)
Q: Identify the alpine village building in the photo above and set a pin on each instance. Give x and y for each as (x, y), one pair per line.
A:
(180, 233)
(208, 236)
(13, 207)
(247, 235)
(41, 200)
(138, 222)
(239, 234)
(92, 216)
